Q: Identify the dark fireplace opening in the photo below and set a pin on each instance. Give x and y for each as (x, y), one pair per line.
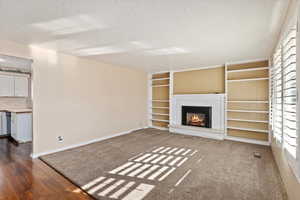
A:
(199, 116)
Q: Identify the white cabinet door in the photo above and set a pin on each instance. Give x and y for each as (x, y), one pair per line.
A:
(21, 127)
(13, 126)
(21, 87)
(3, 123)
(6, 85)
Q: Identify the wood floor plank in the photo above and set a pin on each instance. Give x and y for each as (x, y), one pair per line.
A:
(22, 178)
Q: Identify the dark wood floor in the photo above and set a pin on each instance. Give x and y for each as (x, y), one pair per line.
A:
(23, 178)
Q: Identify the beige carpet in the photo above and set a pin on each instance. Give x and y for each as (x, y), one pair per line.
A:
(153, 164)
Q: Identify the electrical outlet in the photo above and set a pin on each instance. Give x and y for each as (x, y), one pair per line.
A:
(141, 124)
(256, 154)
(60, 139)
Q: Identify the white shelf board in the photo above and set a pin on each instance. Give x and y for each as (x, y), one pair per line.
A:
(248, 111)
(160, 120)
(248, 79)
(247, 70)
(160, 85)
(247, 129)
(160, 107)
(247, 101)
(246, 140)
(161, 114)
(159, 79)
(247, 120)
(163, 101)
(159, 127)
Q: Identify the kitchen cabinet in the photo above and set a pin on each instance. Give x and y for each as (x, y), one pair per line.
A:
(14, 86)
(21, 127)
(21, 87)
(6, 85)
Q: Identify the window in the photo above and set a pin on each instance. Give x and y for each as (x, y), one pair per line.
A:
(284, 97)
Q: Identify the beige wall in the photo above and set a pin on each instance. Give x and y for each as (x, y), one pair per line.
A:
(291, 184)
(80, 99)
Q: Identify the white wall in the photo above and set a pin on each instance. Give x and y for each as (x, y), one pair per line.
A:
(80, 99)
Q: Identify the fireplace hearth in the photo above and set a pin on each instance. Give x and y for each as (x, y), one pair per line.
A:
(199, 116)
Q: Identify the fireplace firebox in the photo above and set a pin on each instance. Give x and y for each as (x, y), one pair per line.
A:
(199, 116)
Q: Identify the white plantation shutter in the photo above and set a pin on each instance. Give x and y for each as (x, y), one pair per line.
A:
(276, 95)
(289, 92)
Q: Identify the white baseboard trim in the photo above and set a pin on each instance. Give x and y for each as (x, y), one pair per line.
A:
(33, 156)
(265, 143)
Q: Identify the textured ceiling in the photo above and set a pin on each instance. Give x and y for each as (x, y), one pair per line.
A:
(153, 35)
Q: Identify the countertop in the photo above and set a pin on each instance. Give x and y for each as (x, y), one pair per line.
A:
(16, 110)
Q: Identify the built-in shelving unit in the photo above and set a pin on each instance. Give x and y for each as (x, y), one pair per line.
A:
(160, 100)
(247, 88)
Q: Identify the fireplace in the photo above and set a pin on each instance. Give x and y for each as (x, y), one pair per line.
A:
(196, 116)
(211, 105)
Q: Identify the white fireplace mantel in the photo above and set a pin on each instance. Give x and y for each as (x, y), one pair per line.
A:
(216, 101)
